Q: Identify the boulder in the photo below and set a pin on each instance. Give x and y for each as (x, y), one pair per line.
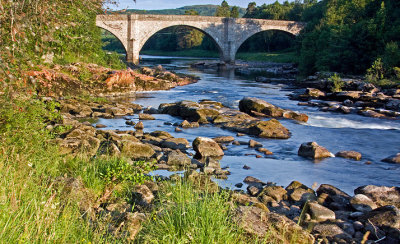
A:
(386, 218)
(320, 213)
(314, 93)
(313, 150)
(143, 195)
(137, 150)
(175, 143)
(329, 195)
(265, 151)
(146, 117)
(260, 223)
(161, 134)
(299, 192)
(207, 147)
(349, 154)
(275, 192)
(250, 104)
(252, 180)
(224, 139)
(177, 158)
(362, 203)
(139, 126)
(395, 159)
(108, 148)
(133, 224)
(253, 143)
(381, 195)
(270, 129)
(295, 116)
(331, 231)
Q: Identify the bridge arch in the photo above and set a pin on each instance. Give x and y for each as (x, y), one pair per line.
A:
(119, 39)
(249, 35)
(155, 31)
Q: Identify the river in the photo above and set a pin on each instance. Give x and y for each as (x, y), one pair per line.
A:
(374, 138)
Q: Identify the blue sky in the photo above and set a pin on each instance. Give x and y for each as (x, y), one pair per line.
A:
(165, 4)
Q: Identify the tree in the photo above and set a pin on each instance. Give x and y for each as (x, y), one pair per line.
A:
(191, 12)
(223, 10)
(251, 9)
(189, 38)
(235, 12)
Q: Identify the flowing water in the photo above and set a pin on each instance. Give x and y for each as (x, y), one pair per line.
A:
(374, 138)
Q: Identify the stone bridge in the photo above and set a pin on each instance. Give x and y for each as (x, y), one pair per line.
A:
(228, 33)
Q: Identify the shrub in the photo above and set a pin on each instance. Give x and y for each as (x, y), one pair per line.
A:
(376, 72)
(118, 170)
(337, 83)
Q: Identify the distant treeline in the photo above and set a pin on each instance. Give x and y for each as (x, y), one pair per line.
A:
(203, 10)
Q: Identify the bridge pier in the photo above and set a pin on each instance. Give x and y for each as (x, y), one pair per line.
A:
(132, 57)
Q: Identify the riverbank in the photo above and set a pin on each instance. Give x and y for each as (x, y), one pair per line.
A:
(96, 173)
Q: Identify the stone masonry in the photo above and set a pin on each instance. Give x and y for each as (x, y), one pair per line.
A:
(228, 33)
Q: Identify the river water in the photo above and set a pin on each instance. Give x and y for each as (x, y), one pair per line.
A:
(374, 138)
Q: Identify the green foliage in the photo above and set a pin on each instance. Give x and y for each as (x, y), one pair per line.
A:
(276, 57)
(376, 72)
(277, 11)
(30, 210)
(118, 170)
(203, 10)
(189, 216)
(40, 31)
(337, 83)
(347, 36)
(223, 10)
(235, 12)
(397, 72)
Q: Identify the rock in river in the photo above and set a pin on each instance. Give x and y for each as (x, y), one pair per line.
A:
(395, 159)
(313, 150)
(349, 154)
(207, 147)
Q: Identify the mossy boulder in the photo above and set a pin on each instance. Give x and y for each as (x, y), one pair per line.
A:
(206, 147)
(137, 150)
(269, 129)
(251, 104)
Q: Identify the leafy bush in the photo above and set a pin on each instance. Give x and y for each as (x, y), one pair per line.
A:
(397, 72)
(376, 72)
(337, 83)
(118, 170)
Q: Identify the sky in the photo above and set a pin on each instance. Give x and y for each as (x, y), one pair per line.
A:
(166, 4)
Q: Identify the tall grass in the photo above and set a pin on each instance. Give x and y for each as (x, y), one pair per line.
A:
(30, 207)
(185, 215)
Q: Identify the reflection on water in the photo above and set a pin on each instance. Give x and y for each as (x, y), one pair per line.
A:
(374, 138)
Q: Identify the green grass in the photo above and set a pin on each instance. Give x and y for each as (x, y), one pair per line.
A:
(185, 215)
(276, 57)
(33, 205)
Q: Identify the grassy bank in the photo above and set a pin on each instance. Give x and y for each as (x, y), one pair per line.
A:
(47, 197)
(276, 57)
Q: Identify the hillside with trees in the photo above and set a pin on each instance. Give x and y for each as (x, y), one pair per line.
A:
(202, 10)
